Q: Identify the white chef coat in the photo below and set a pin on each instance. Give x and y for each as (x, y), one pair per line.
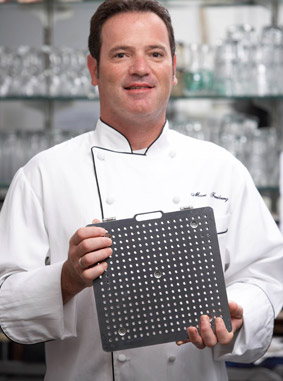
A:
(69, 185)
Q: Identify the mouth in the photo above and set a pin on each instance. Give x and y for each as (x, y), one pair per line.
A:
(138, 87)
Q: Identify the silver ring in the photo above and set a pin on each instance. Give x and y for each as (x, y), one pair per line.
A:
(80, 262)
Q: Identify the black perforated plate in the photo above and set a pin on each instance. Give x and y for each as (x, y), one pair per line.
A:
(164, 273)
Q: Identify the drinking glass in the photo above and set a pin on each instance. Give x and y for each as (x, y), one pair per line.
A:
(225, 67)
(264, 157)
(193, 128)
(199, 77)
(245, 38)
(235, 133)
(269, 61)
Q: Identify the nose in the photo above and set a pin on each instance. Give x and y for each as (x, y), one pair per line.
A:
(139, 66)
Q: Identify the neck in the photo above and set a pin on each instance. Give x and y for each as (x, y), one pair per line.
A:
(142, 138)
(140, 134)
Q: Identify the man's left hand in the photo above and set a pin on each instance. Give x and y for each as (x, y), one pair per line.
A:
(205, 337)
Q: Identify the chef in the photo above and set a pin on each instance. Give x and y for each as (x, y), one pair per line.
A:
(131, 163)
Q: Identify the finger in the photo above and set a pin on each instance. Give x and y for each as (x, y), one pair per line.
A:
(90, 274)
(223, 336)
(206, 332)
(80, 262)
(93, 244)
(87, 232)
(91, 259)
(181, 342)
(95, 221)
(236, 311)
(195, 338)
(94, 272)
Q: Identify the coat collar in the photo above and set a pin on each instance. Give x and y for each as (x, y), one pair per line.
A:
(109, 138)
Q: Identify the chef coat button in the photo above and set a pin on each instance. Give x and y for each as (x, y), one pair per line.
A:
(101, 156)
(122, 357)
(110, 200)
(172, 358)
(176, 199)
(172, 154)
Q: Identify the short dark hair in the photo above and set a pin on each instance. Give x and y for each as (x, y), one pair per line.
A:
(110, 8)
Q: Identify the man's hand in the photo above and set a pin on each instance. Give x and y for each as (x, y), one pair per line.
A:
(88, 249)
(207, 338)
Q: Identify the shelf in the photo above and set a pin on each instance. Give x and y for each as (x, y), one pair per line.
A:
(219, 3)
(167, 2)
(220, 96)
(271, 189)
(71, 98)
(49, 98)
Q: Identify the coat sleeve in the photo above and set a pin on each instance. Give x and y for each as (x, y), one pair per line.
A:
(31, 308)
(254, 276)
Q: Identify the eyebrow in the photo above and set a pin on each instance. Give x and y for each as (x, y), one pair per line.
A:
(127, 48)
(162, 47)
(120, 47)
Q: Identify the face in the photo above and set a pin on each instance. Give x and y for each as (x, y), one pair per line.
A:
(136, 72)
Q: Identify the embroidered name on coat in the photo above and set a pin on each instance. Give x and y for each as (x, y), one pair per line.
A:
(198, 194)
(218, 197)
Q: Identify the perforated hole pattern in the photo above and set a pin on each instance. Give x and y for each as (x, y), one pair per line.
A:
(163, 275)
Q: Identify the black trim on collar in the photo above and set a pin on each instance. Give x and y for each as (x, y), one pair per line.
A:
(156, 138)
(97, 184)
(122, 152)
(224, 232)
(113, 128)
(132, 152)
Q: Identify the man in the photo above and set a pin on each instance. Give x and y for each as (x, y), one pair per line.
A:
(132, 163)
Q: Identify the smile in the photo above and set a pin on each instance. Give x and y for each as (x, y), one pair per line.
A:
(138, 87)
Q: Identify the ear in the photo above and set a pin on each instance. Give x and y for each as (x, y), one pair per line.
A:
(92, 68)
(175, 80)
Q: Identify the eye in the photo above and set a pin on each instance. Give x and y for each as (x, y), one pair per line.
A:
(120, 55)
(157, 55)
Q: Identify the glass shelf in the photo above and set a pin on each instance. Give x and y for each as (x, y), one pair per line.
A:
(271, 190)
(167, 2)
(72, 98)
(216, 3)
(48, 98)
(231, 97)
(3, 189)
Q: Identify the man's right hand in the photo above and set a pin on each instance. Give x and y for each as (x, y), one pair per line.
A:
(88, 249)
